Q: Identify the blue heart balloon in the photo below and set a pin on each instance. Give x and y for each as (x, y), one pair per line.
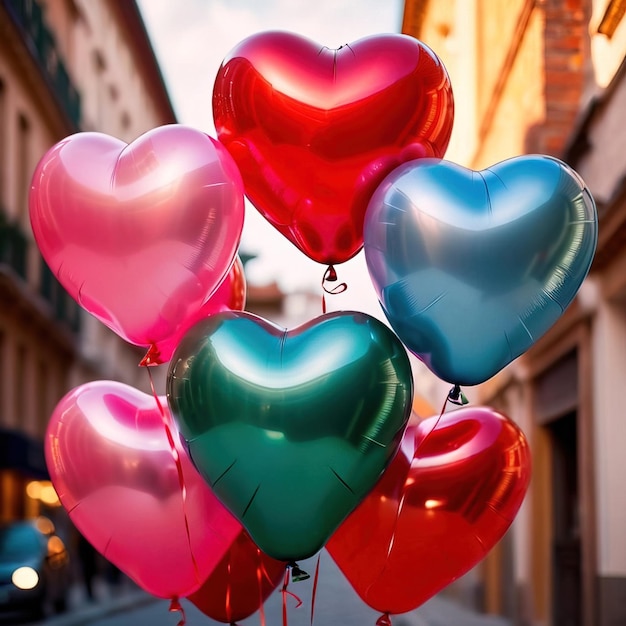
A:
(472, 267)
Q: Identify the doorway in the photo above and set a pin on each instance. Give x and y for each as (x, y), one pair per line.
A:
(566, 535)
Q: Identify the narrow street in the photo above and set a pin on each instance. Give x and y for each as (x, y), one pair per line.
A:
(335, 604)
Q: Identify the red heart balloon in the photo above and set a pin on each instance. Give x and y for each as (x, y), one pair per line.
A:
(142, 234)
(315, 130)
(447, 498)
(241, 582)
(110, 457)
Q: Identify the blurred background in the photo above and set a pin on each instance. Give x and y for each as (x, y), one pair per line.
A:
(529, 76)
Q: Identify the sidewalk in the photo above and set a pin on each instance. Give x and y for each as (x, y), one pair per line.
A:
(108, 600)
(438, 611)
(336, 604)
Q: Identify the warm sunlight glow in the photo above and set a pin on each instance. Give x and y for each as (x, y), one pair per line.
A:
(49, 495)
(33, 489)
(44, 525)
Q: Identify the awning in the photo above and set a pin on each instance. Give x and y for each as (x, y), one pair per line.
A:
(22, 453)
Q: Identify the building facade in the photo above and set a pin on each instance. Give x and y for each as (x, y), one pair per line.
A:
(65, 66)
(549, 77)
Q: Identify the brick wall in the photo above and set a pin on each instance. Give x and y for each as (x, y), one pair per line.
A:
(566, 54)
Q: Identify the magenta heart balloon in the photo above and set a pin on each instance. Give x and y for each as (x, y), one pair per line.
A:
(142, 234)
(110, 454)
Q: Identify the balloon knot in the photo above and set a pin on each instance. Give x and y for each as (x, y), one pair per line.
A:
(151, 358)
(330, 276)
(456, 396)
(175, 607)
(384, 620)
(297, 574)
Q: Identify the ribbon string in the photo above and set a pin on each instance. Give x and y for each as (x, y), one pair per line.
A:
(179, 470)
(330, 276)
(229, 613)
(260, 571)
(286, 592)
(314, 591)
(455, 396)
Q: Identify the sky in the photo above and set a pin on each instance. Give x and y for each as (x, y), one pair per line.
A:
(192, 37)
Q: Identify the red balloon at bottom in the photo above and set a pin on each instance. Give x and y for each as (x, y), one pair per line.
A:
(240, 584)
(446, 499)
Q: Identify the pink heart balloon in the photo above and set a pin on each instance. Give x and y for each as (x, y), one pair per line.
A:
(110, 454)
(142, 234)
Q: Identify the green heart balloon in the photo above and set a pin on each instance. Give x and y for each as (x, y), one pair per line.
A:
(291, 429)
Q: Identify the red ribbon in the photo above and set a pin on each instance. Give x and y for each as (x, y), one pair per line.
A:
(286, 592)
(151, 358)
(175, 606)
(314, 592)
(330, 276)
(179, 469)
(260, 570)
(451, 397)
(227, 599)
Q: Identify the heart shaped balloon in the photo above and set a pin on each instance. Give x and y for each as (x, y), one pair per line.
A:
(229, 296)
(290, 428)
(471, 268)
(314, 130)
(447, 498)
(142, 234)
(240, 584)
(110, 454)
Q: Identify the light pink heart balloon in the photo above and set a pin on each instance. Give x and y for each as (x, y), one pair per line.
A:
(142, 234)
(109, 453)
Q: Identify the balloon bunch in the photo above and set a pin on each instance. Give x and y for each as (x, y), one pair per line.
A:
(272, 443)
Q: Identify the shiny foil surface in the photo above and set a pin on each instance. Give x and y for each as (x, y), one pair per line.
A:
(139, 234)
(291, 428)
(447, 498)
(473, 267)
(110, 454)
(314, 130)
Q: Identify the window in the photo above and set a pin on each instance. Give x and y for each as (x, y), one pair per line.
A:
(42, 391)
(23, 166)
(19, 397)
(3, 374)
(3, 142)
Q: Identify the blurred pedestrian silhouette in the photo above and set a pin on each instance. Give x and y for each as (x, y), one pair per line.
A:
(88, 562)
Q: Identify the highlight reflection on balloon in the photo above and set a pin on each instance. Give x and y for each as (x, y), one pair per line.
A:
(290, 428)
(314, 130)
(447, 498)
(140, 235)
(110, 459)
(471, 268)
